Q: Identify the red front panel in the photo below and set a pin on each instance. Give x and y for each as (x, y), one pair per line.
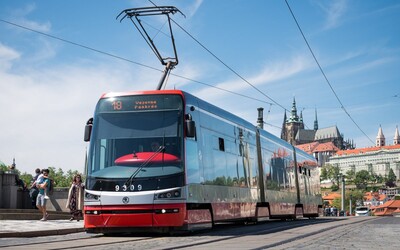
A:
(170, 218)
(135, 216)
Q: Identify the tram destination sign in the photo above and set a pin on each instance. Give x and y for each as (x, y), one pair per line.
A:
(139, 103)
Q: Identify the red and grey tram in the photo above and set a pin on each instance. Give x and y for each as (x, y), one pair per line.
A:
(166, 160)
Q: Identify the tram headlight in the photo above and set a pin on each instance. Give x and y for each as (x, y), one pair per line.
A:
(168, 195)
(92, 197)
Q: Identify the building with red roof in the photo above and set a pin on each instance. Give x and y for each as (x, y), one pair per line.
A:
(388, 208)
(321, 151)
(378, 160)
(328, 198)
(374, 199)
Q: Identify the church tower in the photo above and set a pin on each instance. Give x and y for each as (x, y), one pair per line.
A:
(316, 121)
(283, 131)
(380, 138)
(292, 125)
(396, 139)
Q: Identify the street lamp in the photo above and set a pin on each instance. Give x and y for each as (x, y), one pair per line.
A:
(350, 208)
(343, 196)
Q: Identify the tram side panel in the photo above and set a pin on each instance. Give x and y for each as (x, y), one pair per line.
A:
(279, 177)
(225, 166)
(310, 195)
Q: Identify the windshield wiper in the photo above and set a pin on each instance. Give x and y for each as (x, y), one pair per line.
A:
(159, 150)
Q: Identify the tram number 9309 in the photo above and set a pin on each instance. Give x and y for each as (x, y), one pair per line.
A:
(125, 188)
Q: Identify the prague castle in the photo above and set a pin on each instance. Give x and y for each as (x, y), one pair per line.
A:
(293, 131)
(377, 160)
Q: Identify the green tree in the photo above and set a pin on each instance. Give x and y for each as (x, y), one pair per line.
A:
(60, 178)
(391, 179)
(334, 187)
(331, 173)
(337, 202)
(350, 175)
(361, 180)
(356, 196)
(3, 167)
(324, 173)
(26, 178)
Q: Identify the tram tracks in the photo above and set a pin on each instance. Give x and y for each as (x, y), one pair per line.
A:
(269, 234)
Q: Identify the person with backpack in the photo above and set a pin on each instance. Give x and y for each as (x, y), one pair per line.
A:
(75, 198)
(43, 185)
(33, 192)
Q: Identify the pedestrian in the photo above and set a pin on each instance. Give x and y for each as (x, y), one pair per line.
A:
(33, 192)
(40, 179)
(42, 185)
(75, 198)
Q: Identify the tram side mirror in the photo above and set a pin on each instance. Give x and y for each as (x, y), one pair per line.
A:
(88, 130)
(190, 127)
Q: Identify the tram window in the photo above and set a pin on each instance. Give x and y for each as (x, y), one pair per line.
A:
(221, 144)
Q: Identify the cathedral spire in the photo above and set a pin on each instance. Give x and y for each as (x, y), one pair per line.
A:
(396, 139)
(316, 121)
(293, 116)
(380, 138)
(283, 131)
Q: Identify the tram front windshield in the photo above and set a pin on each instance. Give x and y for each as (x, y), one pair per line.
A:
(141, 145)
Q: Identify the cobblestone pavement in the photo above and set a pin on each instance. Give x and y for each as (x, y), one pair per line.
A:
(33, 228)
(381, 233)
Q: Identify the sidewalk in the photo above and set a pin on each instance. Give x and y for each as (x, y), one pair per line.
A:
(35, 228)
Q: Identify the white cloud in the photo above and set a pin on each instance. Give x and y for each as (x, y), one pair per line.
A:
(44, 109)
(7, 55)
(192, 9)
(20, 17)
(334, 12)
(271, 72)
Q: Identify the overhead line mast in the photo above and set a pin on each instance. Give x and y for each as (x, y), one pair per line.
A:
(134, 14)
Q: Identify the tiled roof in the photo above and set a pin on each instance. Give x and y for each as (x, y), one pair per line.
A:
(327, 146)
(314, 147)
(331, 196)
(369, 196)
(308, 147)
(387, 208)
(366, 150)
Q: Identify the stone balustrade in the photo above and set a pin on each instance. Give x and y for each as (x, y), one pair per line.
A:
(12, 197)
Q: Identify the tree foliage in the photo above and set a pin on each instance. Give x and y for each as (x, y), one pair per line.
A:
(60, 178)
(332, 173)
(391, 179)
(357, 196)
(350, 175)
(362, 178)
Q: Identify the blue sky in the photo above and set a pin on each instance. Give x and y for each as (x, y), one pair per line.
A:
(49, 88)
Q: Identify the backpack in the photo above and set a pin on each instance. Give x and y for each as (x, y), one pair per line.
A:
(51, 187)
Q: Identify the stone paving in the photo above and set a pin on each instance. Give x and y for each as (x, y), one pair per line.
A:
(381, 233)
(33, 228)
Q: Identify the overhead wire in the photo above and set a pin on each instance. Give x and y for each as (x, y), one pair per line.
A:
(222, 62)
(128, 60)
(323, 73)
(79, 45)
